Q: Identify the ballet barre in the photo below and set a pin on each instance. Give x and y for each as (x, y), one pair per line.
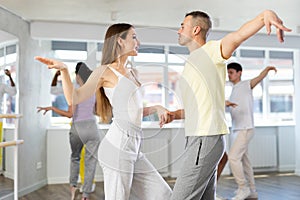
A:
(15, 116)
(11, 143)
(15, 144)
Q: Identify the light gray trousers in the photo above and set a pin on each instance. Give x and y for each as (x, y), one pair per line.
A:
(197, 179)
(84, 132)
(128, 174)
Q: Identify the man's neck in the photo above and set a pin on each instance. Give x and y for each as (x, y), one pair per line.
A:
(236, 82)
(195, 44)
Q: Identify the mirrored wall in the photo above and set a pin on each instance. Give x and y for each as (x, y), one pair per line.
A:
(8, 98)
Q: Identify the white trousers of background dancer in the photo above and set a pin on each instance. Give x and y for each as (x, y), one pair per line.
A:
(127, 172)
(239, 158)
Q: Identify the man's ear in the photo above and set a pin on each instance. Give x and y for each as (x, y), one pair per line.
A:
(240, 73)
(196, 30)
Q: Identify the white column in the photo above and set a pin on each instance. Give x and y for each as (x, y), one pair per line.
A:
(297, 111)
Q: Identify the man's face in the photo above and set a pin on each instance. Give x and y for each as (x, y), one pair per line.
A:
(233, 75)
(185, 32)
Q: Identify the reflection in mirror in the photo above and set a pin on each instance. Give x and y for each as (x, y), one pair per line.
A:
(8, 68)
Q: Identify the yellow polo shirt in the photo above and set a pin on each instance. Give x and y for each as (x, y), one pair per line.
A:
(202, 87)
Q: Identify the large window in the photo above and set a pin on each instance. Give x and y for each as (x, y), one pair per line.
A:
(159, 68)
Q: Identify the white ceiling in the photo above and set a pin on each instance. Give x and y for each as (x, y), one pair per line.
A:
(227, 15)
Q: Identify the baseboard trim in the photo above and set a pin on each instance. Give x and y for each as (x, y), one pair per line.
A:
(286, 168)
(31, 188)
(24, 191)
(8, 196)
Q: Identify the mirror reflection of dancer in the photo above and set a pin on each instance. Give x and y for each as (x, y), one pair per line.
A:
(202, 87)
(12, 91)
(8, 89)
(56, 89)
(84, 132)
(127, 172)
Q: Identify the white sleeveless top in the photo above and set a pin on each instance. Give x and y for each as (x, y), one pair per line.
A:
(126, 100)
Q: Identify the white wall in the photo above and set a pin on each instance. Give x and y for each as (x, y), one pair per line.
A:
(163, 147)
(31, 92)
(270, 150)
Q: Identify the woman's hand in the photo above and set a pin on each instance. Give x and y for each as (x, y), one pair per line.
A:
(46, 109)
(166, 118)
(51, 63)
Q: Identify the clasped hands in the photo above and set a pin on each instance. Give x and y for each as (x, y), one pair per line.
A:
(166, 117)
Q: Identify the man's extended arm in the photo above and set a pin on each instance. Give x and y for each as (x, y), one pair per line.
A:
(261, 76)
(267, 18)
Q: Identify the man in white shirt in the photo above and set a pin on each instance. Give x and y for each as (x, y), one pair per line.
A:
(241, 110)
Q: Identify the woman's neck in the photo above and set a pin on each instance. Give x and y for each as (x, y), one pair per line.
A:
(120, 64)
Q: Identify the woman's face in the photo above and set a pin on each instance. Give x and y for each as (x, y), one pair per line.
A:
(130, 44)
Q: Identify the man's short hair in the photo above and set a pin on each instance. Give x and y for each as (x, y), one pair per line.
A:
(201, 19)
(235, 66)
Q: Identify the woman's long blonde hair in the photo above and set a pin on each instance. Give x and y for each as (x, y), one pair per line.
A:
(111, 52)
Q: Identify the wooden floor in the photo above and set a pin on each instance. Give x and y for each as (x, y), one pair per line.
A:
(6, 186)
(272, 186)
